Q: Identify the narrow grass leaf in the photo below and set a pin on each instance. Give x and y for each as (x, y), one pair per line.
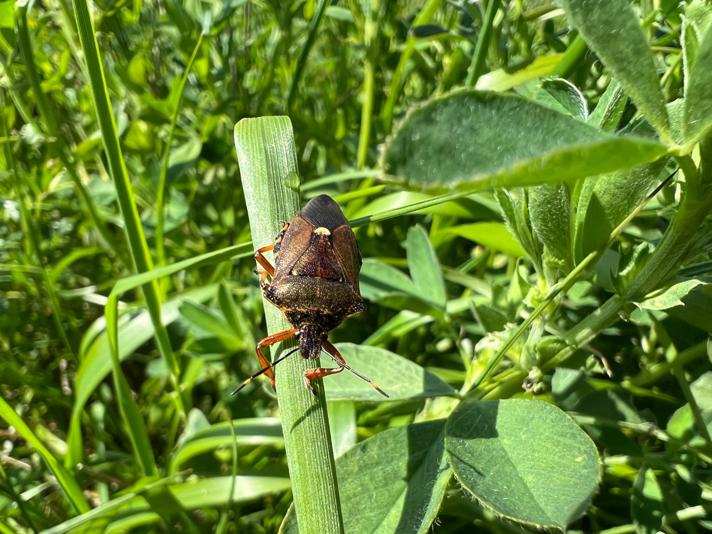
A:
(69, 485)
(525, 460)
(251, 431)
(96, 359)
(613, 31)
(390, 287)
(504, 79)
(135, 237)
(493, 235)
(397, 376)
(392, 482)
(166, 497)
(471, 141)
(210, 322)
(267, 158)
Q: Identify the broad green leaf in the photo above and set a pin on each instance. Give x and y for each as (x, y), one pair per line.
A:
(96, 359)
(248, 432)
(603, 202)
(166, 497)
(392, 482)
(697, 310)
(698, 99)
(558, 94)
(646, 504)
(613, 31)
(342, 426)
(682, 424)
(471, 141)
(670, 297)
(694, 25)
(7, 14)
(516, 214)
(493, 235)
(609, 110)
(549, 215)
(424, 267)
(400, 378)
(525, 460)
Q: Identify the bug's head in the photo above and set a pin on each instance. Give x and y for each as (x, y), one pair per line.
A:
(310, 339)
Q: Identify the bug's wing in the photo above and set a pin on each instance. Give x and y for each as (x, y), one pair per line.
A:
(295, 242)
(346, 250)
(325, 212)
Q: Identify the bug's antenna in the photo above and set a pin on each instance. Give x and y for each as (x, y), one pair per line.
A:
(342, 363)
(263, 370)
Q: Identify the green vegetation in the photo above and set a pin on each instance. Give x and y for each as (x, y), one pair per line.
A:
(531, 187)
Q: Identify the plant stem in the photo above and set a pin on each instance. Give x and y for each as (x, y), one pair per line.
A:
(161, 192)
(51, 128)
(664, 262)
(482, 45)
(304, 54)
(270, 180)
(117, 166)
(570, 58)
(369, 80)
(397, 80)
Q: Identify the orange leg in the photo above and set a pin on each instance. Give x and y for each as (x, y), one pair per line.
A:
(339, 359)
(264, 262)
(319, 372)
(266, 366)
(271, 340)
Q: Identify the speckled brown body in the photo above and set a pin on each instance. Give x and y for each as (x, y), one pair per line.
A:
(314, 282)
(317, 265)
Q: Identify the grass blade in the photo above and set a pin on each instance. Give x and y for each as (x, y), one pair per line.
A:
(117, 166)
(65, 480)
(270, 179)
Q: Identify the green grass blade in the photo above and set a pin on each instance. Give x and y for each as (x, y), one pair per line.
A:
(117, 167)
(96, 358)
(65, 480)
(304, 54)
(268, 164)
(161, 192)
(169, 496)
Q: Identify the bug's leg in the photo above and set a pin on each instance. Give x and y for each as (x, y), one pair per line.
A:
(266, 342)
(263, 371)
(339, 359)
(317, 373)
(267, 267)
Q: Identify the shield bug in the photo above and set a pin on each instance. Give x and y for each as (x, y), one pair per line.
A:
(314, 282)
